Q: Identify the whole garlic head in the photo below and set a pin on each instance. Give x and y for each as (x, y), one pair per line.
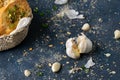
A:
(76, 46)
(84, 44)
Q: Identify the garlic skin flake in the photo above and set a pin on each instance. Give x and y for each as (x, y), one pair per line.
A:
(78, 45)
(60, 2)
(72, 14)
(90, 63)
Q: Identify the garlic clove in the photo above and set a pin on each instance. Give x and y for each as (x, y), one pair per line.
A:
(71, 49)
(69, 42)
(84, 44)
(117, 34)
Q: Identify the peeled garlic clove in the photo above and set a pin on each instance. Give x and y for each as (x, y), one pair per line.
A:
(72, 49)
(85, 27)
(84, 44)
(56, 67)
(117, 34)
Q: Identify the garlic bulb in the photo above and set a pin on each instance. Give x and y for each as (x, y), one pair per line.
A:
(76, 46)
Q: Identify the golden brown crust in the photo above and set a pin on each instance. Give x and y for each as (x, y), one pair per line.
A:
(11, 14)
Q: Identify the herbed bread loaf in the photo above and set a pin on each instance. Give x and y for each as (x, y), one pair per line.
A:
(13, 14)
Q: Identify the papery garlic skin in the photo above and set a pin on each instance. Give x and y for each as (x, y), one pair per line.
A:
(84, 44)
(89, 63)
(69, 49)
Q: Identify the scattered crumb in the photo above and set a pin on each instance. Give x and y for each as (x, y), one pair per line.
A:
(100, 20)
(20, 60)
(49, 64)
(38, 65)
(30, 49)
(112, 72)
(64, 56)
(27, 73)
(61, 42)
(69, 33)
(50, 45)
(67, 62)
(48, 37)
(107, 54)
(74, 69)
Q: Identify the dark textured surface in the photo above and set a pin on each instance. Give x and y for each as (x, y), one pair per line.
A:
(13, 62)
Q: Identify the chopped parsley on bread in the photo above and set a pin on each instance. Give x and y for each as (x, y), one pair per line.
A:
(11, 13)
